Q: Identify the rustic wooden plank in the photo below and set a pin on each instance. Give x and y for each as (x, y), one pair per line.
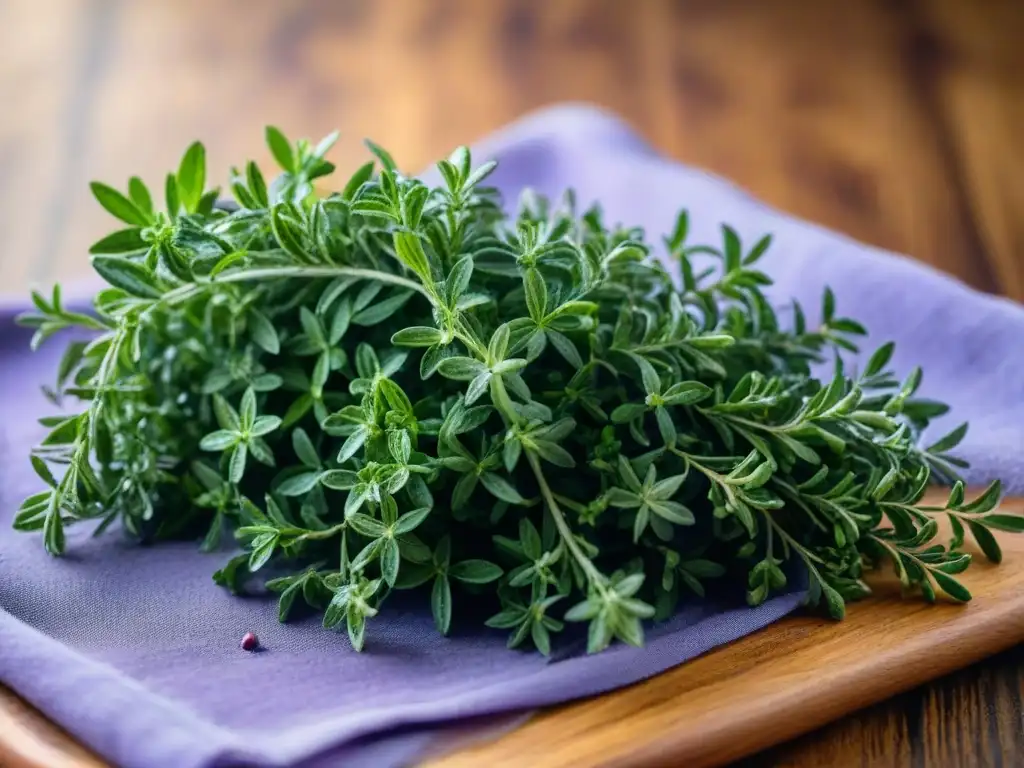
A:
(895, 123)
(979, 84)
(972, 718)
(29, 740)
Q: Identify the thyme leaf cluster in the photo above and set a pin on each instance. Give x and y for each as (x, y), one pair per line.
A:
(401, 386)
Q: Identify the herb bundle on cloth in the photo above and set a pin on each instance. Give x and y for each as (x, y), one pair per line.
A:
(401, 396)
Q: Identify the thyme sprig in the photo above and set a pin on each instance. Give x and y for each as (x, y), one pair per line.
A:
(400, 386)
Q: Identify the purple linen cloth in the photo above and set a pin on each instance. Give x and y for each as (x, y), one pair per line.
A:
(134, 650)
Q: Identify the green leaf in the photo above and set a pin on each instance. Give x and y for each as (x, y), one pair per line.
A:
(281, 149)
(299, 485)
(673, 511)
(584, 611)
(500, 488)
(339, 479)
(337, 609)
(263, 332)
(227, 261)
(171, 194)
(389, 562)
(666, 427)
(236, 463)
(627, 412)
(540, 637)
(828, 307)
(247, 413)
(1003, 522)
(43, 471)
(123, 241)
(529, 539)
(53, 532)
(668, 487)
(460, 368)
(458, 279)
(477, 387)
(325, 144)
(380, 311)
(834, 601)
(554, 454)
(879, 359)
(599, 633)
(139, 194)
(441, 603)
(536, 294)
(759, 249)
(367, 525)
(264, 425)
(360, 177)
(848, 326)
(479, 174)
(686, 393)
(475, 571)
(410, 252)
(129, 276)
(506, 619)
(950, 441)
(262, 550)
(381, 154)
(986, 502)
(257, 185)
(287, 234)
(732, 248)
(648, 376)
(951, 586)
(287, 600)
(118, 205)
(411, 520)
(566, 348)
(417, 336)
(400, 446)
(220, 440)
(191, 176)
(989, 546)
(497, 348)
(354, 442)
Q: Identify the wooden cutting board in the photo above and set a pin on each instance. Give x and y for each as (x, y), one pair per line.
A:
(785, 680)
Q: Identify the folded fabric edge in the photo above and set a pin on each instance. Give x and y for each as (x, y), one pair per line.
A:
(121, 727)
(660, 654)
(119, 724)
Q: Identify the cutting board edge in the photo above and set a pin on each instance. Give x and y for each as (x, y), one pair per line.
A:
(763, 728)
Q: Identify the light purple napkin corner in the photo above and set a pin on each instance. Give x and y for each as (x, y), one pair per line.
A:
(134, 651)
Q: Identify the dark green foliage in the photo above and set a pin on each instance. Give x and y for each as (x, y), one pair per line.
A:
(401, 387)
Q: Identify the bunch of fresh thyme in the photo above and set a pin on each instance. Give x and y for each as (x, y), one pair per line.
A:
(400, 385)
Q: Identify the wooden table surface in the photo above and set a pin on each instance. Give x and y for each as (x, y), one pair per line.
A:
(899, 123)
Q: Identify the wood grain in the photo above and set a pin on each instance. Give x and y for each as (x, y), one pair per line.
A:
(786, 680)
(29, 740)
(895, 122)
